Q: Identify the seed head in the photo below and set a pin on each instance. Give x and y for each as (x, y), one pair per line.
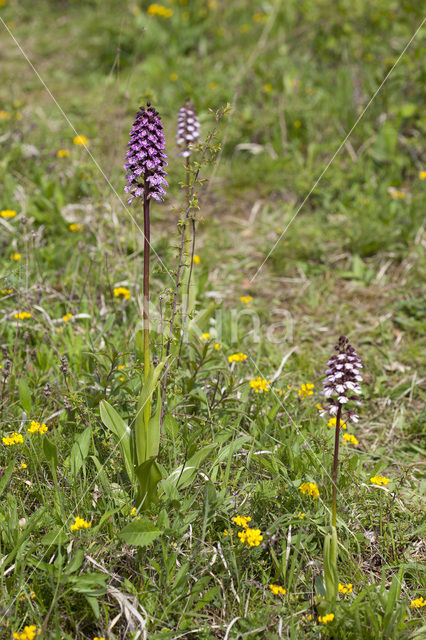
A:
(188, 128)
(146, 157)
(342, 384)
(64, 365)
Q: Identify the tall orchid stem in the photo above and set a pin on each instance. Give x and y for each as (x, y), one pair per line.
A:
(335, 465)
(146, 231)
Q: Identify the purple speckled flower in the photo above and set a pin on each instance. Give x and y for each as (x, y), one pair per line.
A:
(146, 157)
(188, 128)
(342, 384)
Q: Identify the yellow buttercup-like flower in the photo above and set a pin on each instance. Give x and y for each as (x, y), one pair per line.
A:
(241, 521)
(306, 390)
(15, 256)
(329, 617)
(253, 537)
(348, 438)
(310, 488)
(345, 588)
(237, 357)
(36, 427)
(29, 633)
(14, 438)
(80, 523)
(76, 227)
(80, 140)
(196, 259)
(332, 423)
(418, 603)
(276, 589)
(260, 384)
(62, 153)
(159, 10)
(122, 292)
(8, 213)
(379, 480)
(22, 315)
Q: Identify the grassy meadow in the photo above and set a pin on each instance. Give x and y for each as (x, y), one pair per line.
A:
(303, 227)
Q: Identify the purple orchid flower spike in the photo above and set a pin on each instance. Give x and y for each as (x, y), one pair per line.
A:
(188, 128)
(146, 158)
(341, 386)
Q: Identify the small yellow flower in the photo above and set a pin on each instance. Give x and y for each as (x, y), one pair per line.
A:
(418, 603)
(8, 213)
(76, 227)
(204, 337)
(396, 194)
(67, 317)
(22, 315)
(6, 292)
(4, 115)
(196, 259)
(80, 140)
(36, 427)
(276, 589)
(14, 438)
(349, 438)
(121, 291)
(310, 488)
(62, 153)
(306, 390)
(332, 423)
(23, 465)
(253, 537)
(217, 346)
(173, 77)
(320, 407)
(379, 480)
(329, 617)
(159, 10)
(246, 299)
(213, 85)
(301, 515)
(297, 124)
(259, 17)
(80, 523)
(345, 588)
(241, 521)
(96, 638)
(29, 633)
(15, 256)
(422, 175)
(227, 532)
(133, 511)
(260, 384)
(237, 357)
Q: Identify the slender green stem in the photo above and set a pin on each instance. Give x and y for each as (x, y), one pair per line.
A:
(146, 230)
(335, 465)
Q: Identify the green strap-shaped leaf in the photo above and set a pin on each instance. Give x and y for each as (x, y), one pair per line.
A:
(115, 423)
(140, 533)
(51, 453)
(149, 475)
(330, 565)
(80, 450)
(182, 476)
(141, 429)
